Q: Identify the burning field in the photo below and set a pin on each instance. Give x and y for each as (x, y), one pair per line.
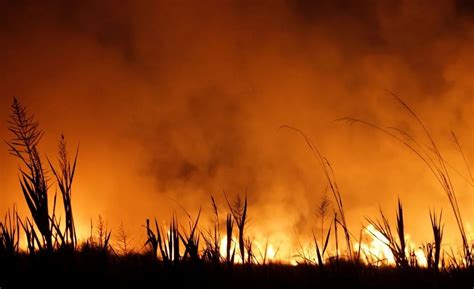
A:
(235, 143)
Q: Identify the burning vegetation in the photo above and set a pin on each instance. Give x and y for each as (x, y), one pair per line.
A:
(42, 241)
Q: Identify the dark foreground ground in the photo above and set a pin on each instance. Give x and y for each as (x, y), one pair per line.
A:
(138, 271)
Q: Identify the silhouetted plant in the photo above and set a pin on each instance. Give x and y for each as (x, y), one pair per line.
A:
(433, 249)
(321, 249)
(212, 238)
(434, 160)
(33, 180)
(340, 218)
(321, 213)
(153, 240)
(166, 242)
(230, 252)
(397, 247)
(99, 239)
(239, 212)
(191, 240)
(263, 255)
(123, 241)
(173, 241)
(9, 234)
(32, 239)
(249, 248)
(103, 236)
(64, 178)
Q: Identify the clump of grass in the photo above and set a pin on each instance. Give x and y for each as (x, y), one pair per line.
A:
(64, 178)
(321, 244)
(34, 183)
(99, 239)
(433, 249)
(165, 245)
(321, 213)
(303, 254)
(9, 234)
(32, 240)
(239, 213)
(397, 247)
(166, 242)
(123, 242)
(250, 253)
(340, 217)
(191, 240)
(230, 250)
(321, 248)
(103, 237)
(212, 251)
(264, 258)
(172, 245)
(432, 157)
(153, 240)
(212, 238)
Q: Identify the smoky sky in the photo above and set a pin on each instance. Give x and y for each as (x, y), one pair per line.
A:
(172, 101)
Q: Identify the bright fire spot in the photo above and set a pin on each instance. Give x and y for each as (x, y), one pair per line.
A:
(261, 253)
(469, 231)
(376, 251)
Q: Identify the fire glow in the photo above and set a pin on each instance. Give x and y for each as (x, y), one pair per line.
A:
(169, 112)
(377, 252)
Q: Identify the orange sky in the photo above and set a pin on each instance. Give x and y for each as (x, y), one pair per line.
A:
(174, 100)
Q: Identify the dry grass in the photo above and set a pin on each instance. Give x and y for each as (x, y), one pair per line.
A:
(239, 212)
(433, 249)
(396, 246)
(432, 157)
(167, 242)
(340, 217)
(183, 254)
(212, 251)
(64, 177)
(9, 234)
(191, 240)
(26, 137)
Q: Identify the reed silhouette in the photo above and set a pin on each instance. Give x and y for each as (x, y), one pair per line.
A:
(432, 157)
(180, 256)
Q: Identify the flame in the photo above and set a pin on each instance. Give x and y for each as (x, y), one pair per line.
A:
(262, 251)
(373, 248)
(377, 252)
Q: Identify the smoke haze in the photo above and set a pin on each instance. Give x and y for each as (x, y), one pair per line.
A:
(172, 101)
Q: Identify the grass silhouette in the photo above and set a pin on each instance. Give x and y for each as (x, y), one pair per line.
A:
(397, 247)
(434, 160)
(194, 256)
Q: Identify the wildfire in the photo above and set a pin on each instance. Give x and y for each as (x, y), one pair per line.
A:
(262, 252)
(372, 249)
(376, 251)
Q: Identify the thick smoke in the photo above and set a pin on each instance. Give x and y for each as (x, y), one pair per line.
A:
(173, 101)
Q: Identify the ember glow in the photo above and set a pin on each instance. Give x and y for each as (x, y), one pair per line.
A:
(173, 102)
